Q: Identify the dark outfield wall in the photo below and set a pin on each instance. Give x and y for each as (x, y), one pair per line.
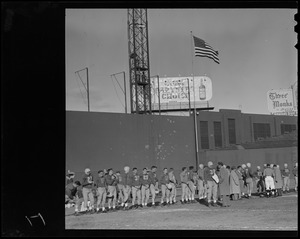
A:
(113, 140)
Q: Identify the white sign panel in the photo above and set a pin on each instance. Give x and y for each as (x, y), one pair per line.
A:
(176, 89)
(280, 101)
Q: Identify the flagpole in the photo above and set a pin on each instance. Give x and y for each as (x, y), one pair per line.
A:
(195, 114)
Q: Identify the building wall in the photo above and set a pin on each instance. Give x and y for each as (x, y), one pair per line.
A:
(243, 124)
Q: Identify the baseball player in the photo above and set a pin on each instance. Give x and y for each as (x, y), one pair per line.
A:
(248, 179)
(184, 185)
(70, 191)
(120, 191)
(153, 184)
(79, 200)
(200, 184)
(173, 183)
(191, 183)
(269, 180)
(126, 186)
(295, 173)
(101, 187)
(165, 187)
(259, 180)
(244, 184)
(278, 180)
(212, 185)
(111, 181)
(136, 188)
(87, 184)
(239, 173)
(286, 178)
(145, 180)
(96, 195)
(70, 177)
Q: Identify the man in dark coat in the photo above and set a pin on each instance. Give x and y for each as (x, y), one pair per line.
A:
(234, 184)
(224, 187)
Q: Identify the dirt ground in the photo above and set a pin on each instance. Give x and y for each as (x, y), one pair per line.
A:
(280, 213)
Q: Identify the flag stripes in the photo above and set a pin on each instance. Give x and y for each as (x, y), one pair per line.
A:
(202, 49)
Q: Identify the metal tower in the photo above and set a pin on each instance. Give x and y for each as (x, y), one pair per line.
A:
(139, 69)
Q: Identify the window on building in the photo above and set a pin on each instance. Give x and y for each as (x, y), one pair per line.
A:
(218, 134)
(204, 135)
(287, 128)
(261, 130)
(231, 131)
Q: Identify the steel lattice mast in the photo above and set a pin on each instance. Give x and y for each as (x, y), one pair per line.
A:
(139, 68)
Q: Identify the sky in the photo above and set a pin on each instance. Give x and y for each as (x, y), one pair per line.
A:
(256, 50)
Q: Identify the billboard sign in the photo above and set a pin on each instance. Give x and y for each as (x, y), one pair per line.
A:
(280, 101)
(176, 89)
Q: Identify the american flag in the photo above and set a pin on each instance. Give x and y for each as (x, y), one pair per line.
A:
(204, 50)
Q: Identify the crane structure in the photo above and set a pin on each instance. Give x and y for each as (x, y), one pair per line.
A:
(139, 68)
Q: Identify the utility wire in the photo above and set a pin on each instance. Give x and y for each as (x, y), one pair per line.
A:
(80, 90)
(117, 92)
(118, 83)
(82, 81)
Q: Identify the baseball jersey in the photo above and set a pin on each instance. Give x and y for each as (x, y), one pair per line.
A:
(136, 182)
(164, 179)
(201, 173)
(116, 180)
(208, 173)
(87, 181)
(153, 178)
(285, 172)
(258, 174)
(71, 190)
(195, 176)
(101, 182)
(190, 175)
(248, 173)
(295, 171)
(269, 172)
(145, 179)
(127, 179)
(184, 177)
(110, 180)
(79, 192)
(120, 179)
(172, 177)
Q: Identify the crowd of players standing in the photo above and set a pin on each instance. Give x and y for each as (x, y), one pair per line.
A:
(209, 185)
